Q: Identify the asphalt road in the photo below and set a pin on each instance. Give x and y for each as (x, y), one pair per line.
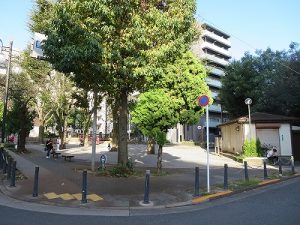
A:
(278, 204)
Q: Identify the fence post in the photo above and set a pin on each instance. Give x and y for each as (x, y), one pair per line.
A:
(246, 171)
(13, 174)
(280, 167)
(292, 165)
(225, 176)
(265, 171)
(197, 183)
(84, 187)
(36, 182)
(147, 187)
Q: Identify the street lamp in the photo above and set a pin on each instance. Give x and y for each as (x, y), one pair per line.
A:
(8, 71)
(248, 101)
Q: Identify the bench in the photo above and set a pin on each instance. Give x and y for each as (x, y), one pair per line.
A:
(55, 154)
(69, 157)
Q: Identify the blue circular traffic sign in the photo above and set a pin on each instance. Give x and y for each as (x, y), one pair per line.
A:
(203, 100)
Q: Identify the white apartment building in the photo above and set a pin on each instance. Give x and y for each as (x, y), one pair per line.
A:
(213, 48)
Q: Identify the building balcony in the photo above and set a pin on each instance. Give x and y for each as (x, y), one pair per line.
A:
(215, 108)
(220, 39)
(213, 82)
(215, 71)
(215, 48)
(216, 60)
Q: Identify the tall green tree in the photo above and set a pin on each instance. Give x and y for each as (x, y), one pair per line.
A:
(115, 45)
(270, 78)
(38, 72)
(21, 114)
(155, 113)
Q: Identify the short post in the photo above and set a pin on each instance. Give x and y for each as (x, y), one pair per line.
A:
(292, 165)
(147, 187)
(84, 187)
(13, 174)
(9, 165)
(1, 158)
(36, 182)
(197, 183)
(280, 168)
(265, 171)
(225, 176)
(246, 171)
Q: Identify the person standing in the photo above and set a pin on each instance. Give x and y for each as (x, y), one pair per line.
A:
(49, 147)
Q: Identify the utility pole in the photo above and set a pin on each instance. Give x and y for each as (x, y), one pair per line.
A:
(8, 71)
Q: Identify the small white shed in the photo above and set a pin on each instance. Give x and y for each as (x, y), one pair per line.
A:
(271, 130)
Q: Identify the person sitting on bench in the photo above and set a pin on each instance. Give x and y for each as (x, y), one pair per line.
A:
(272, 155)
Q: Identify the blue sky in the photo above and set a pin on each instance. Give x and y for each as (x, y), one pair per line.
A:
(255, 24)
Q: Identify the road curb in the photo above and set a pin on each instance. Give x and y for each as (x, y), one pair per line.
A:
(205, 198)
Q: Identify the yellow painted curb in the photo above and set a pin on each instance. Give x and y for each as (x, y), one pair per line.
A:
(51, 195)
(268, 182)
(94, 197)
(66, 196)
(296, 175)
(77, 196)
(198, 200)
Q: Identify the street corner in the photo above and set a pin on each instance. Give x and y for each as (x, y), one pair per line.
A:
(205, 198)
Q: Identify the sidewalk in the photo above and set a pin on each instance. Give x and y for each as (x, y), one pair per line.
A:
(60, 181)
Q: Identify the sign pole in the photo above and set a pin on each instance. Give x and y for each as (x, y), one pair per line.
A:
(207, 148)
(204, 101)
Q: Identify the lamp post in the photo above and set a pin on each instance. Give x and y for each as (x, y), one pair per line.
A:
(248, 101)
(8, 71)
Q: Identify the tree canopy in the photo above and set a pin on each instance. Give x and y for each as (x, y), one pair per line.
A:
(271, 79)
(113, 46)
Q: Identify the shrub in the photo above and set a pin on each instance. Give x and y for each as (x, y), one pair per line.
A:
(250, 148)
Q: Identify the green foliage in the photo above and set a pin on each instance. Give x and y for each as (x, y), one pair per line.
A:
(271, 79)
(155, 113)
(185, 80)
(115, 46)
(252, 148)
(123, 170)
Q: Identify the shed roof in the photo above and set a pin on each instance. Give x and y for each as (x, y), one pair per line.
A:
(259, 117)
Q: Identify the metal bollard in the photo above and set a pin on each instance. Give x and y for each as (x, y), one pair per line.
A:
(9, 165)
(1, 158)
(84, 187)
(292, 165)
(225, 176)
(197, 183)
(36, 182)
(13, 174)
(265, 171)
(147, 187)
(280, 167)
(246, 171)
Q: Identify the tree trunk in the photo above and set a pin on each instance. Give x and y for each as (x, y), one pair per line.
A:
(23, 131)
(115, 129)
(159, 159)
(41, 133)
(151, 146)
(122, 143)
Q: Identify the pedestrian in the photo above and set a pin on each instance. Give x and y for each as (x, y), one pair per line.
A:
(58, 143)
(272, 155)
(49, 147)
